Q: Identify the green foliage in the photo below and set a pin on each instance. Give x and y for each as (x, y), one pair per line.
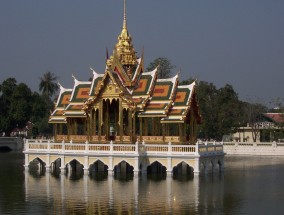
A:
(164, 67)
(48, 85)
(220, 109)
(18, 105)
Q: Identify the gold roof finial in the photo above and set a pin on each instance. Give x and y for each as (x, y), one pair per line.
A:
(124, 48)
(124, 26)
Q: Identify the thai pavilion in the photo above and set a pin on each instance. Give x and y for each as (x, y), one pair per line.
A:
(126, 103)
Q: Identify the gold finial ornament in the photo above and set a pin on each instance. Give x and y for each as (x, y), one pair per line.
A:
(124, 47)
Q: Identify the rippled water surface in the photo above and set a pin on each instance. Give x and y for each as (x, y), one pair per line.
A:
(249, 185)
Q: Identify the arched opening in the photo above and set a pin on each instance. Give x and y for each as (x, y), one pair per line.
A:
(123, 170)
(37, 166)
(183, 171)
(156, 168)
(98, 170)
(75, 169)
(4, 149)
(55, 165)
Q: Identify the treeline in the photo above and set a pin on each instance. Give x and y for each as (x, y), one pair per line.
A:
(221, 110)
(18, 105)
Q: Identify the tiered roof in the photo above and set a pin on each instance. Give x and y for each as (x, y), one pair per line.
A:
(161, 98)
(142, 91)
(181, 105)
(80, 94)
(62, 101)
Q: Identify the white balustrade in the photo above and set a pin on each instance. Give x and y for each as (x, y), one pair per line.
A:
(112, 148)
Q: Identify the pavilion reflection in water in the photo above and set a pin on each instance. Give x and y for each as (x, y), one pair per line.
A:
(114, 195)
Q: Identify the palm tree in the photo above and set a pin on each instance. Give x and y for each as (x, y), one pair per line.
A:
(48, 85)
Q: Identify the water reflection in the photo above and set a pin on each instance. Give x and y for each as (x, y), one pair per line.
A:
(100, 193)
(246, 185)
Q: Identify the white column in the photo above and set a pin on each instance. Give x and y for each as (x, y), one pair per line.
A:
(62, 166)
(110, 166)
(47, 165)
(136, 166)
(169, 167)
(86, 165)
(196, 170)
(26, 162)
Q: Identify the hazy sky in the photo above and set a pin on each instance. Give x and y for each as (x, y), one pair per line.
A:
(239, 42)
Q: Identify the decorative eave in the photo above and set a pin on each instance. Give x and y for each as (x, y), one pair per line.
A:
(137, 71)
(62, 91)
(76, 84)
(96, 76)
(77, 114)
(153, 75)
(57, 120)
(191, 87)
(174, 81)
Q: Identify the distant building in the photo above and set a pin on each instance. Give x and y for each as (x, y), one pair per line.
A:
(22, 132)
(267, 129)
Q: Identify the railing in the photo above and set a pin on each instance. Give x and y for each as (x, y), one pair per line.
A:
(254, 144)
(253, 148)
(38, 146)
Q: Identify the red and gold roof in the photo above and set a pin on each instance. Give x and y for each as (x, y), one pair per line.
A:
(124, 78)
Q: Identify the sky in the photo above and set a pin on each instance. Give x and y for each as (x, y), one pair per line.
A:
(236, 42)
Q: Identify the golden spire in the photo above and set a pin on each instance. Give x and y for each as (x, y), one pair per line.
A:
(124, 26)
(124, 47)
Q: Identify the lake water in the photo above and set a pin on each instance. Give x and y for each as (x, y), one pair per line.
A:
(249, 185)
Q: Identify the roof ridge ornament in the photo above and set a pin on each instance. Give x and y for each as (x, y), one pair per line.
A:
(124, 26)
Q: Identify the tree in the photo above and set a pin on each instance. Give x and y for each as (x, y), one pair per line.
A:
(18, 105)
(220, 110)
(21, 105)
(7, 88)
(164, 67)
(48, 85)
(253, 114)
(230, 110)
(41, 112)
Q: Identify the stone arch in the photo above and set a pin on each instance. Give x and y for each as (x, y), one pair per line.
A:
(163, 162)
(123, 167)
(156, 167)
(98, 166)
(37, 162)
(117, 161)
(183, 168)
(55, 163)
(5, 149)
(74, 166)
(67, 160)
